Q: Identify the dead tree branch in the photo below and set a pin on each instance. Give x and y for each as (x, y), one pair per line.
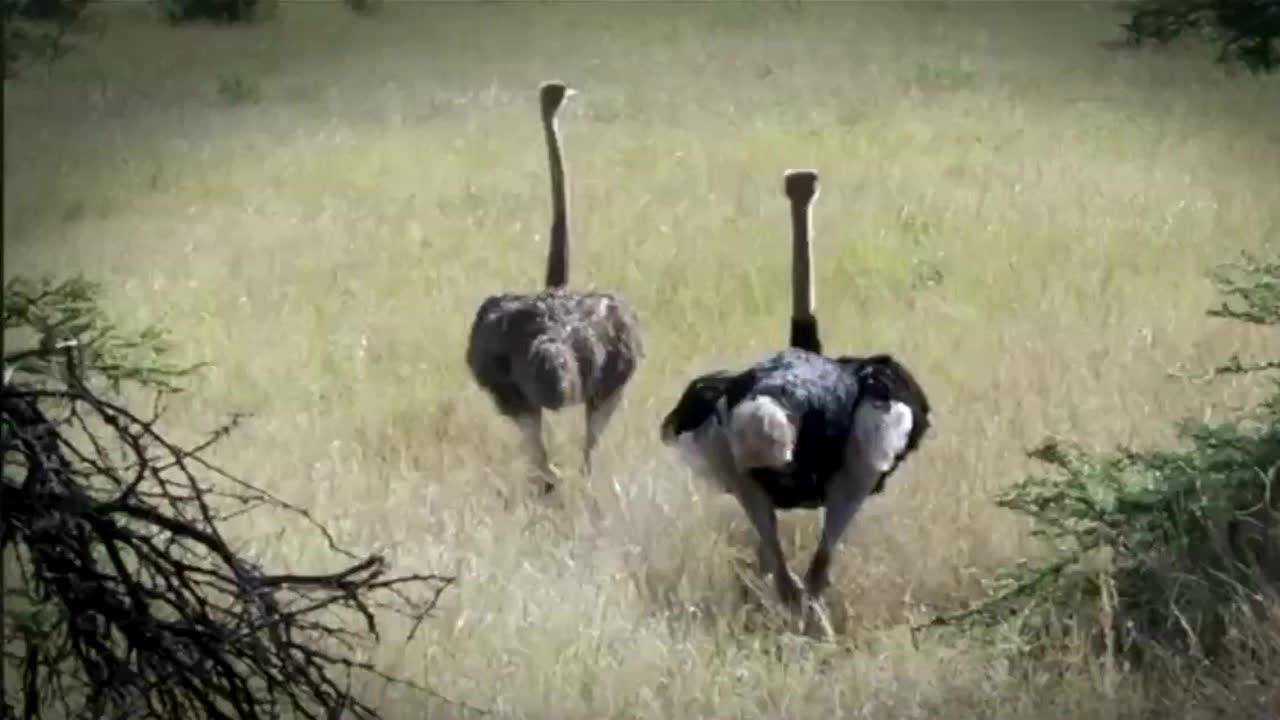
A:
(130, 602)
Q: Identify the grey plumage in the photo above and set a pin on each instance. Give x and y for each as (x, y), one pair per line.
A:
(556, 348)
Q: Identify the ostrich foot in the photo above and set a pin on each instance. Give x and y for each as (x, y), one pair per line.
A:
(546, 478)
(817, 621)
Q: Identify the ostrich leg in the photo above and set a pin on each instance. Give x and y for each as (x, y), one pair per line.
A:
(599, 413)
(764, 518)
(530, 424)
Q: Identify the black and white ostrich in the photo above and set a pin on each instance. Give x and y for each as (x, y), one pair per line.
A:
(798, 429)
(559, 347)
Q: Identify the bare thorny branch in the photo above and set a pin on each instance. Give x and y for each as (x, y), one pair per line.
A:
(136, 606)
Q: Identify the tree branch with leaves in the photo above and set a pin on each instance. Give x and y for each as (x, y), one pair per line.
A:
(1175, 544)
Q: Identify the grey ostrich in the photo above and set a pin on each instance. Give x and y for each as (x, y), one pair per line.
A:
(800, 430)
(559, 347)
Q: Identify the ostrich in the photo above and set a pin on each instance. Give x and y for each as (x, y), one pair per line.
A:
(560, 347)
(800, 430)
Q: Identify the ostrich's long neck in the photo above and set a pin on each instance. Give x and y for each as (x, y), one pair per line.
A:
(558, 258)
(804, 325)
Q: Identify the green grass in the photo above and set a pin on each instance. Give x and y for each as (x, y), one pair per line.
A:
(1021, 215)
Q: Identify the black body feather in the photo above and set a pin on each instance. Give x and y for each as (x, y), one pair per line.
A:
(817, 390)
(821, 394)
(824, 394)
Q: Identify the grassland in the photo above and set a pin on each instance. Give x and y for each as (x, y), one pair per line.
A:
(317, 204)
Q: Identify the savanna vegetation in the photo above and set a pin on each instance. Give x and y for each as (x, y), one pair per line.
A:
(1034, 219)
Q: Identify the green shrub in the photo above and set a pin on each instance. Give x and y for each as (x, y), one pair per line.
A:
(1247, 30)
(1159, 551)
(42, 35)
(364, 7)
(44, 9)
(224, 10)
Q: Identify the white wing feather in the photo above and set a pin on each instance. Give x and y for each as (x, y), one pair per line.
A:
(881, 430)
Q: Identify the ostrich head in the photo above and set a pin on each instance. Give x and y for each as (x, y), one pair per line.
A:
(553, 94)
(801, 185)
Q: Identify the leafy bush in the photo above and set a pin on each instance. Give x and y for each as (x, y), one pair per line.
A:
(224, 10)
(43, 9)
(1155, 551)
(1248, 30)
(44, 40)
(364, 7)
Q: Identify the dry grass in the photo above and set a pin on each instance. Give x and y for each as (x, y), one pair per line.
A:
(1021, 215)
